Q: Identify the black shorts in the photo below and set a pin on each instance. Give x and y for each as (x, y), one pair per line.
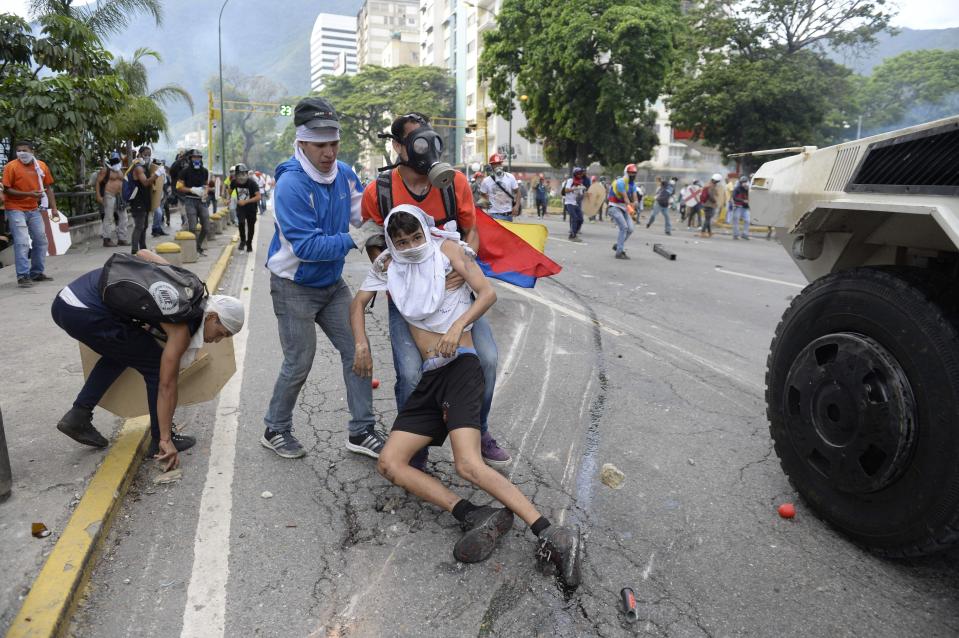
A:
(445, 399)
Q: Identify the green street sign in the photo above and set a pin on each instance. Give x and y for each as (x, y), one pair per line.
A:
(286, 110)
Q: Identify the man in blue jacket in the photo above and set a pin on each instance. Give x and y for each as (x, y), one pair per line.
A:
(316, 199)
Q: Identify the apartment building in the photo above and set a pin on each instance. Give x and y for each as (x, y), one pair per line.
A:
(332, 47)
(387, 33)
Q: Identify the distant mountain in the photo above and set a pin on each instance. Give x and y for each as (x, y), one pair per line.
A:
(888, 46)
(271, 39)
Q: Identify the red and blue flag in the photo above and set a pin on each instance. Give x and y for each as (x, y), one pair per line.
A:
(513, 252)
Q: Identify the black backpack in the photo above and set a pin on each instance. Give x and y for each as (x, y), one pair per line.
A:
(384, 198)
(148, 293)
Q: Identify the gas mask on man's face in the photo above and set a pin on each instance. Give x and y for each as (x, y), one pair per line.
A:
(241, 178)
(424, 147)
(196, 162)
(498, 170)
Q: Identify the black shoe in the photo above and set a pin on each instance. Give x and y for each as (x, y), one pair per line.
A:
(249, 247)
(562, 547)
(483, 527)
(40, 277)
(24, 282)
(283, 443)
(370, 443)
(77, 423)
(180, 442)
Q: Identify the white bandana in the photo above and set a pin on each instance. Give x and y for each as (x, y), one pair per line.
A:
(418, 288)
(321, 135)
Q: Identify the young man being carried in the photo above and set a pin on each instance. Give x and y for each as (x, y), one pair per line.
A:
(448, 398)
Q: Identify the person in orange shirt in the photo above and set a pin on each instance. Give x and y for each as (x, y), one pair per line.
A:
(407, 185)
(28, 192)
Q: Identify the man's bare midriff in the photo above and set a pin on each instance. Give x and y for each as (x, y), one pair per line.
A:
(426, 341)
(113, 182)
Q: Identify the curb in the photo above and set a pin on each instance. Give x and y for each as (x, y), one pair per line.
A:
(53, 597)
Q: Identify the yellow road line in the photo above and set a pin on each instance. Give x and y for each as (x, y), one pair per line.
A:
(56, 590)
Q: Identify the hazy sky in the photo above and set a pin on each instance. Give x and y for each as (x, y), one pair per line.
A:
(928, 14)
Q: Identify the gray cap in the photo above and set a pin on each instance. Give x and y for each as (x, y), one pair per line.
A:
(315, 112)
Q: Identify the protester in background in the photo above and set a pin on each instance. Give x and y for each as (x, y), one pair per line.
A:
(28, 193)
(157, 230)
(107, 190)
(711, 199)
(231, 199)
(541, 196)
(662, 201)
(573, 190)
(140, 201)
(260, 179)
(621, 195)
(192, 186)
(501, 190)
(246, 191)
(176, 200)
(694, 208)
(317, 198)
(475, 184)
(80, 311)
(740, 201)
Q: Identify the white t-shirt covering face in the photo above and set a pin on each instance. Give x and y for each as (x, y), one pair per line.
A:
(500, 202)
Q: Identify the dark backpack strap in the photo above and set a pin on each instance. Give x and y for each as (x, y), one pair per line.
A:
(384, 193)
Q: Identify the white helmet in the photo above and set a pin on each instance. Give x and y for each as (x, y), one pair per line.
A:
(717, 177)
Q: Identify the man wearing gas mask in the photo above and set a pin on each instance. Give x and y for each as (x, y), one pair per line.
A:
(316, 200)
(418, 177)
(501, 190)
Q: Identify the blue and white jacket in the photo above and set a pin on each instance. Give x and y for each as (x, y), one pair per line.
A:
(312, 220)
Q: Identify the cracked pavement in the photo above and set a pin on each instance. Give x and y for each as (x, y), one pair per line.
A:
(675, 402)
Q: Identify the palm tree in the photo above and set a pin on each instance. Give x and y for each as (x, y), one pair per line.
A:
(143, 118)
(104, 17)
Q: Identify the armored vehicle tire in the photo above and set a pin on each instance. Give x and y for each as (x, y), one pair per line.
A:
(862, 395)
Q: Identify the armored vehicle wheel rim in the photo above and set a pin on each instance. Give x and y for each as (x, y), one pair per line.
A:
(850, 412)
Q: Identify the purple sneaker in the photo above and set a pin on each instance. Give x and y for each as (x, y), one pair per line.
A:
(493, 454)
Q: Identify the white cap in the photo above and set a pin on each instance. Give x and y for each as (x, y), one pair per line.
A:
(717, 177)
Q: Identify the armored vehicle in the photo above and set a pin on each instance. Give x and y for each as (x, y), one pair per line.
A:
(862, 379)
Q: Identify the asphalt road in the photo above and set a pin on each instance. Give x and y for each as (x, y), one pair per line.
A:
(654, 366)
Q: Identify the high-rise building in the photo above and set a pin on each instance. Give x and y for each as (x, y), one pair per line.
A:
(332, 47)
(381, 24)
(451, 36)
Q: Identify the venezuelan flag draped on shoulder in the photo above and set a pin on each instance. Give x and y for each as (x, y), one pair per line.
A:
(513, 252)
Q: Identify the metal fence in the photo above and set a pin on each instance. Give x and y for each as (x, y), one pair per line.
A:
(78, 206)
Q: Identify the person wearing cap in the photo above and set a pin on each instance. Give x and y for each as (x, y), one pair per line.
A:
(192, 187)
(316, 199)
(107, 190)
(475, 184)
(245, 191)
(501, 190)
(621, 195)
(28, 192)
(79, 310)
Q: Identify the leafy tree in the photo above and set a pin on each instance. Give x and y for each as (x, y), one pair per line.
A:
(591, 70)
(911, 88)
(248, 132)
(367, 102)
(59, 89)
(755, 76)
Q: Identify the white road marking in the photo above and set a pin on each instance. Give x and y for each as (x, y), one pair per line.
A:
(517, 344)
(569, 312)
(566, 241)
(542, 396)
(205, 612)
(758, 278)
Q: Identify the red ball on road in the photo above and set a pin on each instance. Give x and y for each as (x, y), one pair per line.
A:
(376, 383)
(787, 510)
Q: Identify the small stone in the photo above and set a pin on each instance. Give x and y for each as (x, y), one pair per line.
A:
(611, 476)
(168, 477)
(267, 494)
(691, 462)
(126, 581)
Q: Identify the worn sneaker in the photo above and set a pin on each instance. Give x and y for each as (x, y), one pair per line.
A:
(493, 454)
(563, 548)
(369, 443)
(283, 443)
(77, 423)
(575, 238)
(122, 242)
(622, 255)
(483, 527)
(180, 442)
(24, 282)
(41, 277)
(109, 243)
